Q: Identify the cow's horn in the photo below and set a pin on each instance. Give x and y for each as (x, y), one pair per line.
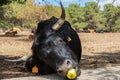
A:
(59, 23)
(22, 59)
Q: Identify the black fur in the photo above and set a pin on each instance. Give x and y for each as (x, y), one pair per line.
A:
(42, 46)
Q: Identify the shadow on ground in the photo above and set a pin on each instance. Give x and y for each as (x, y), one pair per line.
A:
(97, 60)
(9, 69)
(100, 60)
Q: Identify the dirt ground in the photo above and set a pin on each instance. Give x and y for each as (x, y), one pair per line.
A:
(98, 50)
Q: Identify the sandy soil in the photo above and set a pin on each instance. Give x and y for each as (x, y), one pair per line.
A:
(99, 50)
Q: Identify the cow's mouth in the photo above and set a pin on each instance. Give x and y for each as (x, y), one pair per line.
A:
(68, 69)
(73, 73)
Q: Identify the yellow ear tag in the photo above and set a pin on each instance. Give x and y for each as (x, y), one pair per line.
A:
(71, 74)
(68, 38)
(35, 69)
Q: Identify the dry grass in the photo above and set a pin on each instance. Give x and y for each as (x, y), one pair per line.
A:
(94, 42)
(15, 46)
(99, 50)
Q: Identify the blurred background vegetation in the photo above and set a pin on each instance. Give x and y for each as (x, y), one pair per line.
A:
(25, 14)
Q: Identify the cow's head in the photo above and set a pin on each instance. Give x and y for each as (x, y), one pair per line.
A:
(52, 49)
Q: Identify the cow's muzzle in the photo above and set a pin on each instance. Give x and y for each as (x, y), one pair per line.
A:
(67, 65)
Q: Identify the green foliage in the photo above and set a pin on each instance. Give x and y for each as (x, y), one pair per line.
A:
(92, 15)
(110, 12)
(6, 25)
(21, 1)
(83, 25)
(4, 2)
(76, 25)
(76, 14)
(116, 28)
(16, 13)
(92, 7)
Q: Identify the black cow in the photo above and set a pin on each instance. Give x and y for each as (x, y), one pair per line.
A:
(56, 47)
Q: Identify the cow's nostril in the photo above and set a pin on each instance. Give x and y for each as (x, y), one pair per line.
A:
(68, 62)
